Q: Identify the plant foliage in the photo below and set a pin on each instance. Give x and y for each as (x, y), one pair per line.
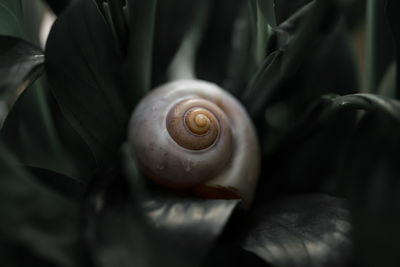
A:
(71, 195)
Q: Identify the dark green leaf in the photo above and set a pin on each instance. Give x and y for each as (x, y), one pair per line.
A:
(36, 223)
(3, 111)
(188, 224)
(58, 6)
(251, 35)
(217, 43)
(387, 87)
(310, 230)
(156, 232)
(371, 182)
(116, 16)
(380, 46)
(37, 133)
(35, 14)
(22, 19)
(11, 17)
(233, 256)
(88, 78)
(179, 28)
(60, 183)
(142, 19)
(287, 29)
(20, 63)
(116, 230)
(310, 156)
(392, 9)
(290, 63)
(286, 8)
(152, 228)
(368, 102)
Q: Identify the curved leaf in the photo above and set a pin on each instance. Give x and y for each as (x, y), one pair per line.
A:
(368, 102)
(35, 222)
(189, 224)
(232, 256)
(310, 230)
(58, 6)
(88, 78)
(22, 19)
(156, 232)
(179, 27)
(151, 227)
(323, 133)
(296, 74)
(286, 8)
(36, 19)
(37, 133)
(58, 182)
(371, 184)
(11, 18)
(20, 63)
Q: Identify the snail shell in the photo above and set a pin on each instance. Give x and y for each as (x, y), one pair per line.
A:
(192, 135)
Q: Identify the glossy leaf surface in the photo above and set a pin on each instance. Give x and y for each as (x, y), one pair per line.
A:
(20, 63)
(151, 222)
(160, 224)
(309, 230)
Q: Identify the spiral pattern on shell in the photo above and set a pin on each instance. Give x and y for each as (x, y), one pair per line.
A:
(192, 135)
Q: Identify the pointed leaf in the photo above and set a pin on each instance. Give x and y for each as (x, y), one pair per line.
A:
(179, 28)
(272, 82)
(88, 78)
(38, 134)
(286, 8)
(58, 6)
(67, 186)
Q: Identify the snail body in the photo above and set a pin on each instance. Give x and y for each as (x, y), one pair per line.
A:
(192, 135)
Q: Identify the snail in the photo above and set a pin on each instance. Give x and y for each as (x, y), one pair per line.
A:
(193, 135)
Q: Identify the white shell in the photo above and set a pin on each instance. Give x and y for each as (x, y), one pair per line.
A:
(230, 165)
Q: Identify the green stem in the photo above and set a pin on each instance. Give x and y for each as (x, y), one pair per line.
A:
(370, 72)
(119, 23)
(115, 15)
